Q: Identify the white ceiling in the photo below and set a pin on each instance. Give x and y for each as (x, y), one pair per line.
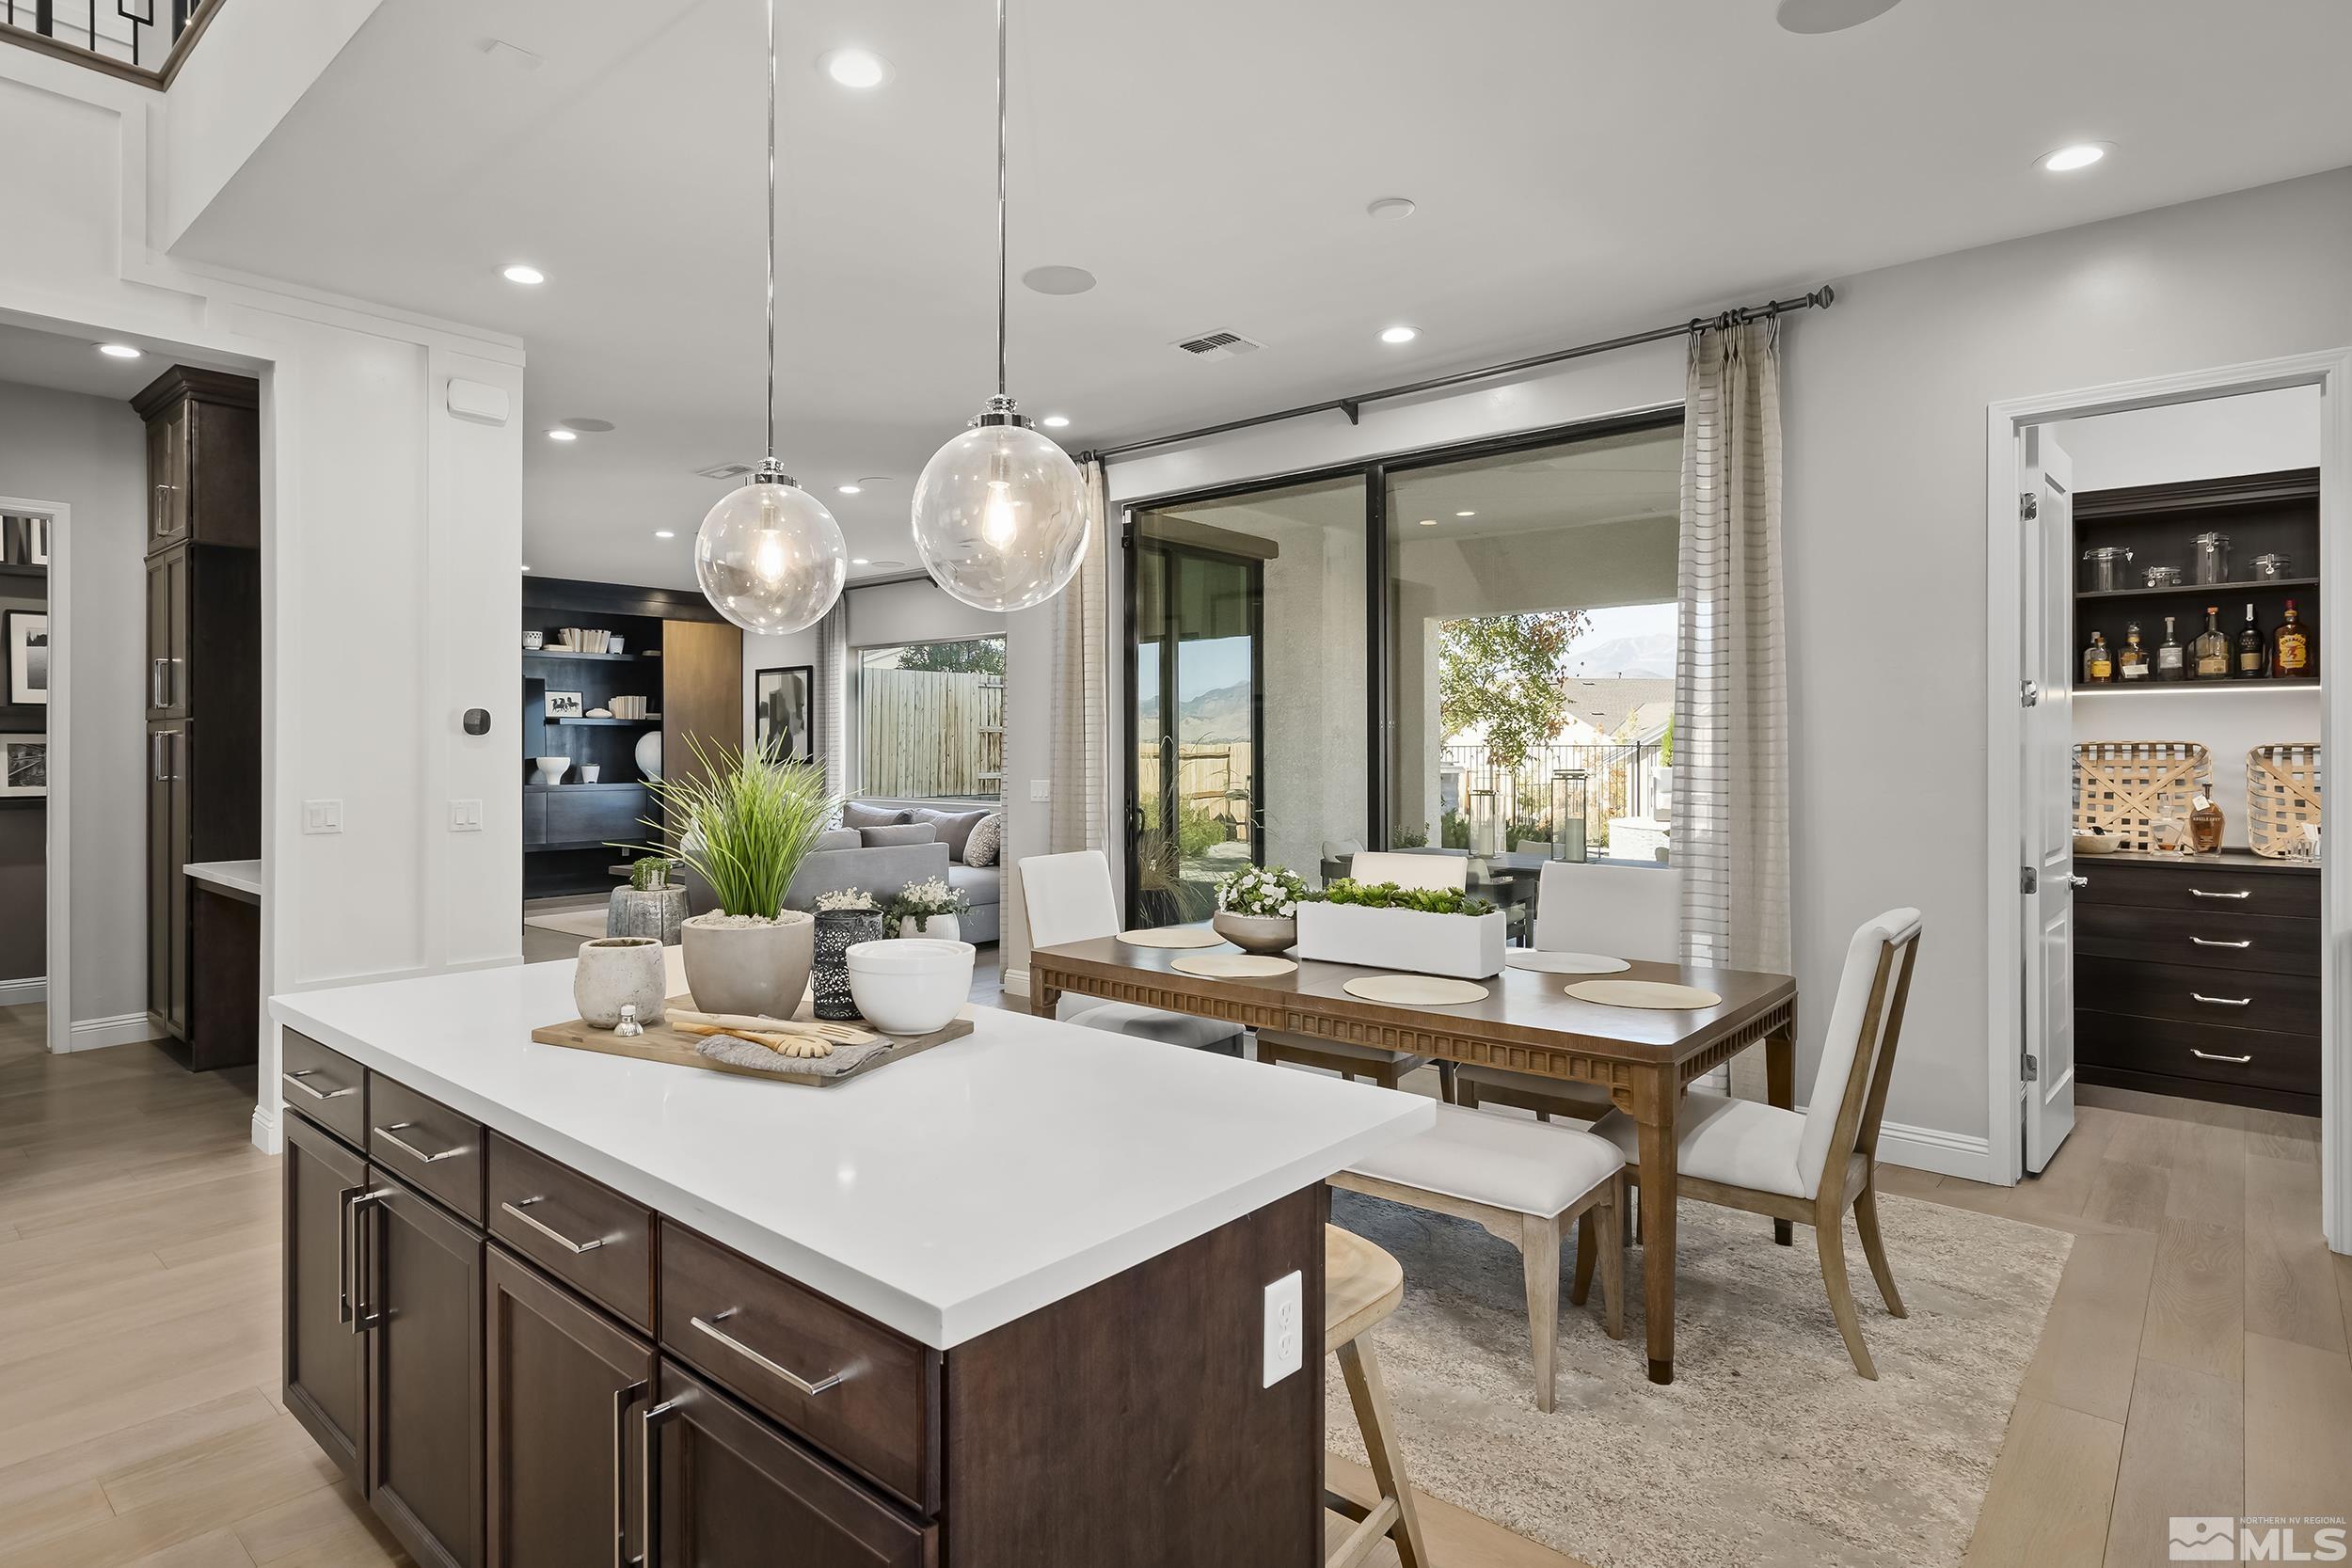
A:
(34, 358)
(1581, 169)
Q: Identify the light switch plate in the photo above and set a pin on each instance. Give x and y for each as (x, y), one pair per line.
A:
(1041, 789)
(1282, 1330)
(464, 816)
(322, 817)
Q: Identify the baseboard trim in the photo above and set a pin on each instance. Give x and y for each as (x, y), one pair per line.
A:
(267, 1136)
(99, 1033)
(1930, 1149)
(23, 994)
(1016, 983)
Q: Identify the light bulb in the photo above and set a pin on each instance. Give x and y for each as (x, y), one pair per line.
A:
(1000, 515)
(998, 524)
(770, 556)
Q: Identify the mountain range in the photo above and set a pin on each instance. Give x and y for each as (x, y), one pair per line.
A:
(1650, 656)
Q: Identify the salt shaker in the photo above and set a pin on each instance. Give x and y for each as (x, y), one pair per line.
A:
(628, 1028)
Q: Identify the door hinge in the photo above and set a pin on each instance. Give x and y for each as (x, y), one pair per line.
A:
(2033, 1069)
(2028, 694)
(2029, 506)
(2029, 880)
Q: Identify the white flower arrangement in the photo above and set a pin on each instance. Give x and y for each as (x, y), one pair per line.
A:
(919, 901)
(1272, 891)
(846, 898)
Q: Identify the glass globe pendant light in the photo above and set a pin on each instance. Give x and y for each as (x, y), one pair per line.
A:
(768, 556)
(1000, 513)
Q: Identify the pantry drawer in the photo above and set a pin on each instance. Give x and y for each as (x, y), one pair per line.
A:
(2248, 1058)
(426, 1144)
(2190, 886)
(2285, 1003)
(2263, 943)
(581, 1232)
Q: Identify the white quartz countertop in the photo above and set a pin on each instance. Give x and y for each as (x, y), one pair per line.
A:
(235, 876)
(944, 1196)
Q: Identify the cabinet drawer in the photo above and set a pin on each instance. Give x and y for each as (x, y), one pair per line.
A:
(2188, 885)
(2288, 1003)
(583, 1233)
(769, 1340)
(426, 1144)
(589, 814)
(2264, 942)
(326, 1086)
(2252, 1058)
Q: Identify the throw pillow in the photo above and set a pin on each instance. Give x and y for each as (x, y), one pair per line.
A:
(987, 840)
(902, 833)
(955, 827)
(857, 814)
(837, 838)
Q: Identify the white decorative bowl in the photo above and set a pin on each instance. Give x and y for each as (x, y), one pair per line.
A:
(553, 769)
(909, 985)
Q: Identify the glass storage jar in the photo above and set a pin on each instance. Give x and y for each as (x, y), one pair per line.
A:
(2212, 559)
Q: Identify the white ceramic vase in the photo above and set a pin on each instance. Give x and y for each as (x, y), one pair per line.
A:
(617, 971)
(939, 928)
(749, 965)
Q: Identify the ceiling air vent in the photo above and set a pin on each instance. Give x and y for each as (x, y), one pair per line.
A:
(1219, 346)
(725, 470)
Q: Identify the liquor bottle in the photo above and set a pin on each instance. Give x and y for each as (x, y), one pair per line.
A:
(2170, 666)
(2098, 661)
(2131, 662)
(2253, 650)
(2291, 656)
(2209, 654)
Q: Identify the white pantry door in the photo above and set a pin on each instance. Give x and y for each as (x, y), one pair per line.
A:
(2045, 515)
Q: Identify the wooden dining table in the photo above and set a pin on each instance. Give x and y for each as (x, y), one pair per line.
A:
(1644, 1057)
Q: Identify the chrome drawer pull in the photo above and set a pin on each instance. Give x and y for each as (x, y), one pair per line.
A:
(297, 1080)
(548, 1230)
(2209, 1056)
(2221, 1000)
(2208, 942)
(762, 1362)
(390, 1134)
(2242, 893)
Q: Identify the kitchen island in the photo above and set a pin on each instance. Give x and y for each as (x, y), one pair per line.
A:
(1002, 1304)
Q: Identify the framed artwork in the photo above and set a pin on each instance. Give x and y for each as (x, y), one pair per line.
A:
(23, 765)
(24, 540)
(27, 639)
(784, 711)
(563, 705)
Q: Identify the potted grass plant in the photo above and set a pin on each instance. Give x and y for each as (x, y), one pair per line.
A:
(1382, 925)
(747, 821)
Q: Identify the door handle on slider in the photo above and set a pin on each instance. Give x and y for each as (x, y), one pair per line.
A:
(2221, 1000)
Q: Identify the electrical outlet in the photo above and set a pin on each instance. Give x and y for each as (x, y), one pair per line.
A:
(1041, 789)
(464, 816)
(1282, 1330)
(322, 817)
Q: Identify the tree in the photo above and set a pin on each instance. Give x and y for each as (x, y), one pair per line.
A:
(1500, 674)
(984, 657)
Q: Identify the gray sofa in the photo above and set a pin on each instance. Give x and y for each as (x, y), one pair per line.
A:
(841, 860)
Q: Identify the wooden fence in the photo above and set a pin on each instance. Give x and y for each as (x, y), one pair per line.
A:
(924, 733)
(1211, 781)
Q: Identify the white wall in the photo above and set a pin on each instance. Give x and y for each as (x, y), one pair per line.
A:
(763, 652)
(914, 612)
(90, 454)
(2261, 433)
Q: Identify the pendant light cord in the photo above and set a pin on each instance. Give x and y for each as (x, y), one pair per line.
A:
(1001, 263)
(772, 231)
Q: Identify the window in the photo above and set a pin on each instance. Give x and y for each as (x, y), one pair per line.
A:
(930, 721)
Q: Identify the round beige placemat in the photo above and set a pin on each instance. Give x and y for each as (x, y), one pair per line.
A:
(1231, 966)
(1416, 991)
(1173, 935)
(1643, 993)
(1565, 963)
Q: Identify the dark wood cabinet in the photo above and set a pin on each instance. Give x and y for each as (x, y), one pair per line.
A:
(564, 1387)
(167, 617)
(170, 827)
(203, 459)
(422, 1304)
(326, 1370)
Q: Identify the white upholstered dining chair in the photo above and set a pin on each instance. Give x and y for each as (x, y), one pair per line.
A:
(1069, 899)
(1374, 867)
(1811, 1166)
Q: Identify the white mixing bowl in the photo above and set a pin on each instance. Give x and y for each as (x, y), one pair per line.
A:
(909, 985)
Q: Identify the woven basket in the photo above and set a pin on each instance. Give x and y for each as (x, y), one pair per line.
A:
(2282, 792)
(2121, 786)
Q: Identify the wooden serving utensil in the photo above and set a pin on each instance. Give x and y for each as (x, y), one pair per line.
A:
(783, 1045)
(839, 1034)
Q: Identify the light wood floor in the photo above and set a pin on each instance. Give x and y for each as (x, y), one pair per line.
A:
(2195, 1360)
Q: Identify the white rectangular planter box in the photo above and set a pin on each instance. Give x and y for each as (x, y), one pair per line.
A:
(1468, 947)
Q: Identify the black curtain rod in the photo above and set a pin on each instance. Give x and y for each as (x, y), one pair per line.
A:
(1819, 299)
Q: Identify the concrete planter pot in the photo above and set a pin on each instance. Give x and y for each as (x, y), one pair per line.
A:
(1468, 947)
(647, 911)
(747, 964)
(616, 972)
(1255, 933)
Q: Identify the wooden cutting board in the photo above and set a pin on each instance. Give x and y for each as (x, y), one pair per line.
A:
(661, 1044)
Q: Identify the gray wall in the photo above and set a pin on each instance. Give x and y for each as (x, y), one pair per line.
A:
(23, 830)
(90, 454)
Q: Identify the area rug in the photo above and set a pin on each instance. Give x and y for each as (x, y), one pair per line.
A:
(574, 922)
(1767, 1450)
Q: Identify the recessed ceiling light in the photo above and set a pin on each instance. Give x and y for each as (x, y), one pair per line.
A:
(859, 561)
(1058, 280)
(1399, 334)
(850, 489)
(666, 533)
(885, 564)
(2070, 158)
(589, 427)
(855, 67)
(1429, 522)
(1056, 422)
(526, 568)
(1466, 514)
(120, 351)
(522, 273)
(1391, 208)
(562, 435)
(1828, 16)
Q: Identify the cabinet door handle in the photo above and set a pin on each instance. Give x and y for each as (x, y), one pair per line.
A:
(2221, 1000)
(2209, 1056)
(155, 683)
(155, 756)
(622, 1399)
(549, 1231)
(650, 1475)
(343, 1253)
(2239, 945)
(298, 1081)
(739, 1348)
(391, 1135)
(362, 1317)
(2242, 893)
(2072, 880)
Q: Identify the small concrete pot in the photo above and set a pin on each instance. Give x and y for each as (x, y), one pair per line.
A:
(746, 964)
(619, 971)
(1255, 933)
(647, 911)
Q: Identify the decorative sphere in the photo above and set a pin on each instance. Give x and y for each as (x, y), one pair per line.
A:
(1000, 517)
(770, 558)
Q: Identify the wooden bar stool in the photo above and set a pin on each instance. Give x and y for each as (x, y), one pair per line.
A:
(1362, 1285)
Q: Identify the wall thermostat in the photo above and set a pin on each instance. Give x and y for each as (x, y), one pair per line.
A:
(477, 720)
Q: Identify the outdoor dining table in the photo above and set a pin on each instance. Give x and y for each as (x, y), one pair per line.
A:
(1643, 1058)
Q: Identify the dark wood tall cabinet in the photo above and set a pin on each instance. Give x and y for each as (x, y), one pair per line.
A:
(204, 668)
